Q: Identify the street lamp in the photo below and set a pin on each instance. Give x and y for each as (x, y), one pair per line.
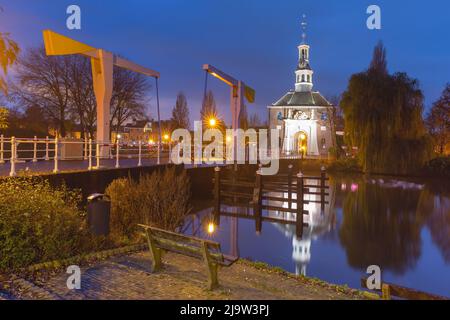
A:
(212, 122)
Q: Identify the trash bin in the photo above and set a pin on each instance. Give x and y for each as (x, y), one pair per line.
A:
(99, 207)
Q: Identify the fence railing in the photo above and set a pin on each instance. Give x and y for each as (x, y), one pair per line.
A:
(19, 150)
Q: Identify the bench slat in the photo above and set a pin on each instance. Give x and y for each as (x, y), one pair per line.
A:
(180, 237)
(192, 251)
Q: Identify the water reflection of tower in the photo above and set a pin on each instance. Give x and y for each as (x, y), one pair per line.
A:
(318, 222)
(301, 254)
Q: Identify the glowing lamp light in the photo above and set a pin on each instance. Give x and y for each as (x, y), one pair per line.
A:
(119, 136)
(151, 141)
(212, 122)
(211, 228)
(166, 137)
(228, 138)
(302, 136)
(354, 187)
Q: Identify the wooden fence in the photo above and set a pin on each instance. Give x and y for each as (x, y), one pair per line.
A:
(258, 195)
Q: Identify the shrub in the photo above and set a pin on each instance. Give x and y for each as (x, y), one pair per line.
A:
(438, 166)
(39, 223)
(160, 199)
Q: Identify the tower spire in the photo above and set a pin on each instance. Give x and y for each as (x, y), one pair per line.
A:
(304, 24)
(303, 72)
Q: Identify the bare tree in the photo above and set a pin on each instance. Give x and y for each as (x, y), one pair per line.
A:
(44, 81)
(81, 91)
(243, 118)
(180, 113)
(254, 121)
(128, 98)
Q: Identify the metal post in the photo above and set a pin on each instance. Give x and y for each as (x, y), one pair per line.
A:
(90, 155)
(46, 148)
(35, 149)
(2, 159)
(97, 154)
(55, 170)
(257, 201)
(217, 200)
(12, 173)
(216, 190)
(159, 121)
(299, 219)
(289, 179)
(140, 154)
(117, 154)
(322, 189)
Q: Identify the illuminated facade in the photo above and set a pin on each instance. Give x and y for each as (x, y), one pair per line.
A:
(303, 116)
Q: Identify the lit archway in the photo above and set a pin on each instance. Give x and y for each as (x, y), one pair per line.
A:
(301, 142)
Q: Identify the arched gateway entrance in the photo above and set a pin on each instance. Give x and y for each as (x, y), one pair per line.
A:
(301, 141)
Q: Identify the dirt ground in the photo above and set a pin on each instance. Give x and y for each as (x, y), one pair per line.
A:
(130, 277)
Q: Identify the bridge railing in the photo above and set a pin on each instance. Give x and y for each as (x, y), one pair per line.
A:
(92, 152)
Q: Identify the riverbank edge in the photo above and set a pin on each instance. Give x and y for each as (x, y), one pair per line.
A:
(26, 278)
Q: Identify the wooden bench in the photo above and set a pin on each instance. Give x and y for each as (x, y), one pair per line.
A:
(206, 250)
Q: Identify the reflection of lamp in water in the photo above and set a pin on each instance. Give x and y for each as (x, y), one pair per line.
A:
(211, 228)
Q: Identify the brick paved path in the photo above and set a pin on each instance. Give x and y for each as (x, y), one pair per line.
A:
(129, 277)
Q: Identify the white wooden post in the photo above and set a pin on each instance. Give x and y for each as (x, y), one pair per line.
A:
(140, 154)
(170, 151)
(97, 154)
(35, 149)
(85, 147)
(90, 155)
(117, 154)
(12, 172)
(159, 157)
(55, 170)
(46, 148)
(2, 159)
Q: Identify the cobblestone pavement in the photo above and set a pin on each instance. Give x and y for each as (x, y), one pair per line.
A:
(129, 277)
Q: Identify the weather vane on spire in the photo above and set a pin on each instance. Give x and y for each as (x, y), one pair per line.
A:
(304, 25)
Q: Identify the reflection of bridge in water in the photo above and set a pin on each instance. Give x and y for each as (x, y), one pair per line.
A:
(298, 205)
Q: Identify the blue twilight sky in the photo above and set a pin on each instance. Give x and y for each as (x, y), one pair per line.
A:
(254, 40)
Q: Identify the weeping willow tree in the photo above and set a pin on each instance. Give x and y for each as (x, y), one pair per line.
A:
(379, 229)
(9, 50)
(383, 119)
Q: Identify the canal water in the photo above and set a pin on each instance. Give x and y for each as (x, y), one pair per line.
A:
(401, 225)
